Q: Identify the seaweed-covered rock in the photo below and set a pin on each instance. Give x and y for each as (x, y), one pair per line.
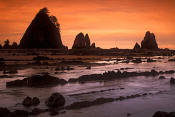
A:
(43, 32)
(37, 81)
(55, 100)
(149, 41)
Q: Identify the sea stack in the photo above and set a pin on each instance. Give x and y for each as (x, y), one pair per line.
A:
(82, 41)
(137, 47)
(149, 41)
(43, 32)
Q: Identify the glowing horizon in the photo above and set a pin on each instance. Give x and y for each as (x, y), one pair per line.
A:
(109, 23)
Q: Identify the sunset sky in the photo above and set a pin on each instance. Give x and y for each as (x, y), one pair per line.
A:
(109, 23)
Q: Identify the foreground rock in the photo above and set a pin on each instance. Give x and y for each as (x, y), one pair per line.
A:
(28, 101)
(55, 100)
(37, 81)
(149, 41)
(4, 112)
(164, 114)
(43, 32)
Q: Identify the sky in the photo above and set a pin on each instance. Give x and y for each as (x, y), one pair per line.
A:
(109, 23)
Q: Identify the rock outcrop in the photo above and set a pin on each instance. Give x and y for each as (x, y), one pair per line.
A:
(43, 32)
(37, 81)
(82, 41)
(55, 100)
(137, 47)
(93, 45)
(149, 41)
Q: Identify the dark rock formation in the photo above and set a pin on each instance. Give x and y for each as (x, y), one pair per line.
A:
(37, 81)
(136, 47)
(149, 41)
(37, 111)
(0, 46)
(93, 45)
(27, 101)
(161, 114)
(38, 58)
(43, 32)
(19, 113)
(87, 41)
(55, 100)
(4, 112)
(10, 71)
(150, 60)
(172, 81)
(82, 41)
(35, 101)
(162, 77)
(164, 114)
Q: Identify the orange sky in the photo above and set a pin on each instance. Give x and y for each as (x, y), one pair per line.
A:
(109, 23)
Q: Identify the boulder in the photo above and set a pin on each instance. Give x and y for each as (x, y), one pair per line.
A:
(136, 47)
(35, 101)
(55, 100)
(149, 41)
(43, 32)
(27, 101)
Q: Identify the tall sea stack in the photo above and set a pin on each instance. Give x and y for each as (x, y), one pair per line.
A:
(82, 41)
(43, 32)
(149, 41)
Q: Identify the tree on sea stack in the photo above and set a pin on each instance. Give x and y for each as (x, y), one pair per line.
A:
(43, 32)
(14, 45)
(6, 44)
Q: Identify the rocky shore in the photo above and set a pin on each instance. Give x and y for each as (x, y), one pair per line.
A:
(47, 80)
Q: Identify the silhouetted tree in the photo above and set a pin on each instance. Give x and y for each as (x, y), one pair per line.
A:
(55, 22)
(14, 45)
(44, 10)
(6, 44)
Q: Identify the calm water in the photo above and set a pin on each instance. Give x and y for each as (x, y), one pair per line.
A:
(138, 107)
